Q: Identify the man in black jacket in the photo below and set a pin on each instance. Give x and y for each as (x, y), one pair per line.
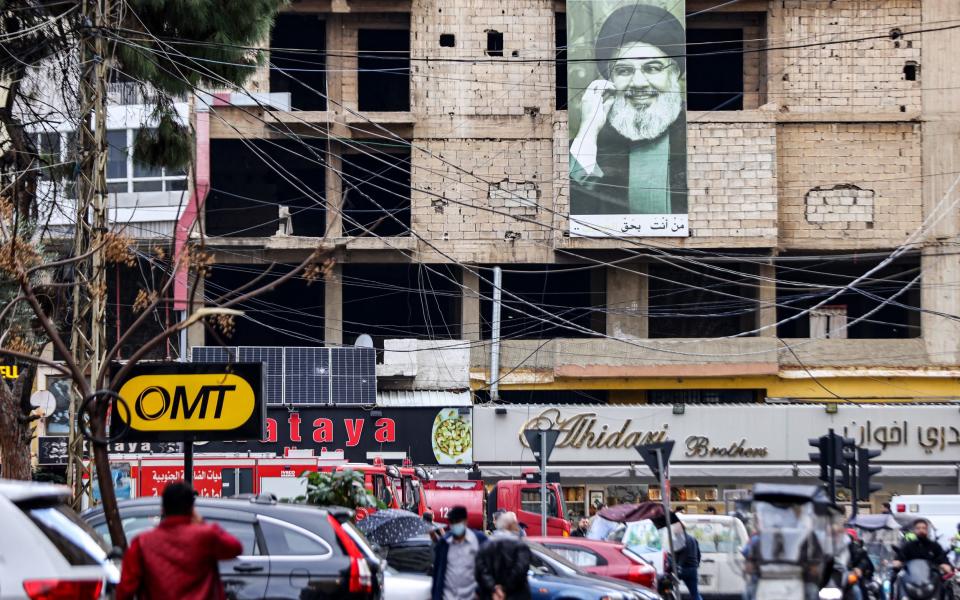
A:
(502, 566)
(859, 562)
(688, 561)
(922, 547)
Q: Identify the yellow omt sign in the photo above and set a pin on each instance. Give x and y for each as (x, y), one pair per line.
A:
(206, 402)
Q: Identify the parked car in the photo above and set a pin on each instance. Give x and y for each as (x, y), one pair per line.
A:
(406, 586)
(47, 550)
(289, 551)
(551, 576)
(609, 559)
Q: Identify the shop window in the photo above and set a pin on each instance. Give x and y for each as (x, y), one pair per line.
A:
(383, 80)
(698, 301)
(376, 193)
(298, 42)
(869, 312)
(715, 69)
(259, 188)
(560, 66)
(829, 322)
(545, 301)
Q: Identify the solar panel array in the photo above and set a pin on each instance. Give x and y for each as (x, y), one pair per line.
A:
(306, 375)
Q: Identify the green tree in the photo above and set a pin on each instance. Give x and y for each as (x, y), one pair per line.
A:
(340, 488)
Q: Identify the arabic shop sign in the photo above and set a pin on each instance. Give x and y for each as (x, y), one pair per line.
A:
(199, 401)
(717, 433)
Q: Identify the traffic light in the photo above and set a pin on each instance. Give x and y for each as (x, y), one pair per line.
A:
(823, 456)
(865, 472)
(847, 463)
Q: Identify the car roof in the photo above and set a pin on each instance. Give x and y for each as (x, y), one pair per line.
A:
(27, 491)
(576, 541)
(295, 512)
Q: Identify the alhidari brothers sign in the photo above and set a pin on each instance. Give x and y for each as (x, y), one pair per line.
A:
(718, 433)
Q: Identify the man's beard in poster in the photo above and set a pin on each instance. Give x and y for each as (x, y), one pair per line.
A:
(646, 123)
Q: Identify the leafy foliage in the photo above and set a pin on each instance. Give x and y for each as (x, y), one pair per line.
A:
(341, 488)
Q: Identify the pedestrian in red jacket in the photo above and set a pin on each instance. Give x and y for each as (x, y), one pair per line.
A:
(177, 560)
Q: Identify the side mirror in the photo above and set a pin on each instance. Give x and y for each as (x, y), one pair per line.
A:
(115, 553)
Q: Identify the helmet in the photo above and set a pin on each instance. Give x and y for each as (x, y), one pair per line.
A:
(853, 534)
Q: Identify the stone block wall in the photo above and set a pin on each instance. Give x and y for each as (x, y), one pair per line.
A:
(827, 172)
(861, 76)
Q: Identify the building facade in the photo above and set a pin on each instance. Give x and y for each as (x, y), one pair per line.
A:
(422, 143)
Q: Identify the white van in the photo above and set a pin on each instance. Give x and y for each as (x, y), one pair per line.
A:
(942, 510)
(721, 539)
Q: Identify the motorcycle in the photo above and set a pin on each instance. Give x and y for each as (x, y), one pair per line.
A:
(919, 580)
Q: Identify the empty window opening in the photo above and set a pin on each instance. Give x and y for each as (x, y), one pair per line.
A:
(910, 70)
(383, 81)
(545, 396)
(560, 32)
(700, 301)
(545, 301)
(376, 192)
(252, 180)
(290, 314)
(394, 301)
(704, 396)
(494, 43)
(715, 69)
(448, 40)
(814, 281)
(123, 286)
(298, 43)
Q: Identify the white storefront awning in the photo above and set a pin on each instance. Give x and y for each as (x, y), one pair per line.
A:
(421, 398)
(748, 473)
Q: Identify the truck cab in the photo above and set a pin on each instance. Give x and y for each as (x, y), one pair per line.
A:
(379, 479)
(523, 498)
(409, 489)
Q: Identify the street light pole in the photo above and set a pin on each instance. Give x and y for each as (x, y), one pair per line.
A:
(543, 483)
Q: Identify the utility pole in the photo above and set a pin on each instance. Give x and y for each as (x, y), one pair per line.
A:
(495, 337)
(88, 335)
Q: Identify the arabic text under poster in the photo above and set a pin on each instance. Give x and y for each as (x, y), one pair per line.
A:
(627, 112)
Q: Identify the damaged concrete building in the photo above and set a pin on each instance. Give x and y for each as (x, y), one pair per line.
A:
(425, 142)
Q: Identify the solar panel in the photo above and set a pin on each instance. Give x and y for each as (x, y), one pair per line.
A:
(272, 357)
(214, 354)
(307, 375)
(354, 373)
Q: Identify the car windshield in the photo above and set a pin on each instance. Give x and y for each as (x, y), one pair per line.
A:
(714, 536)
(78, 543)
(642, 537)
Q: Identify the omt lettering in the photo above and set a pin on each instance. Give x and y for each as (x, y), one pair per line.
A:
(187, 402)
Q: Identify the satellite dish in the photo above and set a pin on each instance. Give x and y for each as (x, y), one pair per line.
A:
(45, 401)
(364, 341)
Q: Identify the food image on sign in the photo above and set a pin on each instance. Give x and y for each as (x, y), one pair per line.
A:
(452, 437)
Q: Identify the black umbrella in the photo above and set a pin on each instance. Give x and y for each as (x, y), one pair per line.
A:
(392, 526)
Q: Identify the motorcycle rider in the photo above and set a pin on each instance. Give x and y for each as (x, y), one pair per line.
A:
(859, 564)
(919, 546)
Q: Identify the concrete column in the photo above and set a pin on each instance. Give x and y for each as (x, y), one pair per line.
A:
(627, 301)
(470, 306)
(196, 333)
(333, 191)
(333, 306)
(767, 300)
(940, 76)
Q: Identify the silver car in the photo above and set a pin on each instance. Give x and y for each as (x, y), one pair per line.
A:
(47, 551)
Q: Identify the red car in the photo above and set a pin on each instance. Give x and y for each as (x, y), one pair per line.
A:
(608, 559)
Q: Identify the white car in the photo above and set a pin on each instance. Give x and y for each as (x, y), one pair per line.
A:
(406, 586)
(720, 537)
(47, 551)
